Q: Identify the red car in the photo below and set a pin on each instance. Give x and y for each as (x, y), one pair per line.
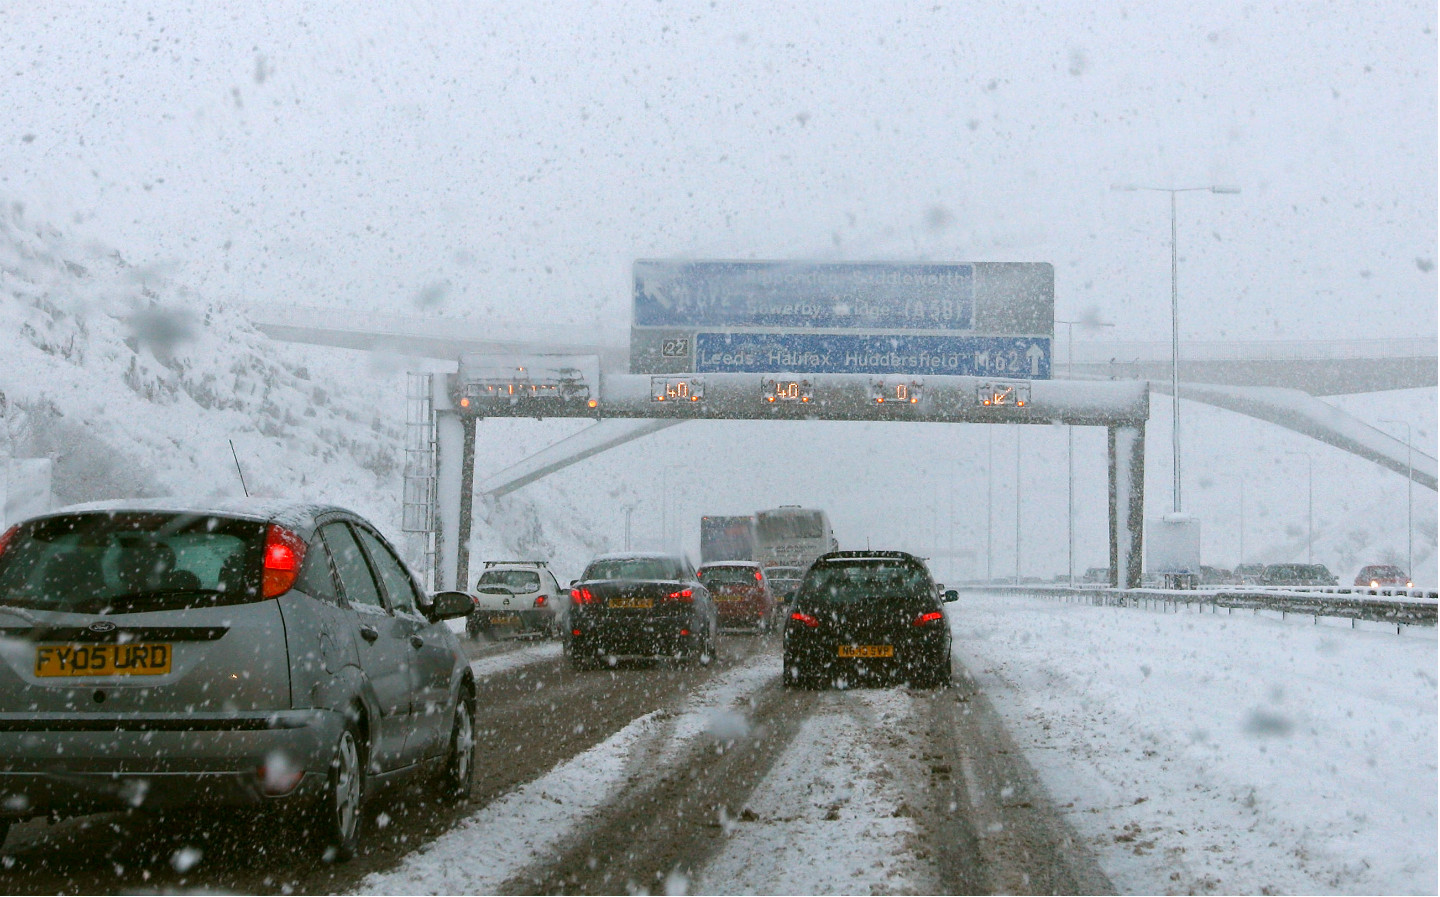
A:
(1382, 575)
(743, 597)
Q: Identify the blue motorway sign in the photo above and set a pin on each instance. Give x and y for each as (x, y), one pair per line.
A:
(804, 295)
(1023, 357)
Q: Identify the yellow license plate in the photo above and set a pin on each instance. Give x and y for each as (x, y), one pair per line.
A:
(137, 659)
(630, 602)
(503, 619)
(867, 650)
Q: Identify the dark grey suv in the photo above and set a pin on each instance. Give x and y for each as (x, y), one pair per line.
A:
(280, 656)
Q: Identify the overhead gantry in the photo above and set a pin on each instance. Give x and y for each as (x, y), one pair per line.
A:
(479, 391)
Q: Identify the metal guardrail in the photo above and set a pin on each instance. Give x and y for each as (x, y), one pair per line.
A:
(1397, 607)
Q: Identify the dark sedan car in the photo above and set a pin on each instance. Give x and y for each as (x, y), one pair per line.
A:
(862, 615)
(1298, 575)
(272, 656)
(640, 605)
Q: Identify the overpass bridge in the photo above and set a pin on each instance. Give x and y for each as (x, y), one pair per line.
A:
(1316, 367)
(1278, 381)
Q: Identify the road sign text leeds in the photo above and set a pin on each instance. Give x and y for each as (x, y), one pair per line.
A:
(845, 354)
(981, 318)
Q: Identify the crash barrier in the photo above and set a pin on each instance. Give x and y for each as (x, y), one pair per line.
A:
(1396, 607)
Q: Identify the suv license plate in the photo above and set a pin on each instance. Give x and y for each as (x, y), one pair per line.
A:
(152, 659)
(630, 602)
(867, 650)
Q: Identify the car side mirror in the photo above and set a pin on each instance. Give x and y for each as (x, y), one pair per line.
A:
(951, 595)
(450, 605)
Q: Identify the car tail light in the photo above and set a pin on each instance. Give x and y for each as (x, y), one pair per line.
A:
(539, 600)
(682, 595)
(284, 553)
(8, 536)
(926, 619)
(582, 596)
(279, 775)
(759, 577)
(806, 619)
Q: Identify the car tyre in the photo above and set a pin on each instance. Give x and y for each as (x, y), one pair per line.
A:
(938, 676)
(338, 817)
(708, 651)
(458, 778)
(584, 660)
(797, 676)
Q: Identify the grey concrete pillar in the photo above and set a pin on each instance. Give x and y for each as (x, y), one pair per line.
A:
(1127, 503)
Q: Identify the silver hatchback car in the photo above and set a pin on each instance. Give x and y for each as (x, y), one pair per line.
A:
(267, 655)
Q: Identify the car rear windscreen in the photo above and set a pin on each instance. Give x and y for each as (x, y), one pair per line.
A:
(633, 568)
(521, 580)
(735, 575)
(861, 581)
(124, 562)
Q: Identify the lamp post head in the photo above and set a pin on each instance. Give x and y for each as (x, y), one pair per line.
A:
(1225, 189)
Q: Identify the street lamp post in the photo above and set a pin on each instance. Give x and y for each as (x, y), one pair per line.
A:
(1175, 315)
(1409, 499)
(1070, 433)
(1017, 506)
(989, 504)
(1310, 506)
(1240, 478)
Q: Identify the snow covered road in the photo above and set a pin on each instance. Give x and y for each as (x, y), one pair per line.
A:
(1079, 749)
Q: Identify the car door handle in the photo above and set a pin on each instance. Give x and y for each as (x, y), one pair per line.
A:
(416, 641)
(369, 633)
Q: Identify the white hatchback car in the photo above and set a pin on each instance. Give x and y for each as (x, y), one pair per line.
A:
(517, 598)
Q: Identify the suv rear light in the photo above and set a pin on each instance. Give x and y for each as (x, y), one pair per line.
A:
(806, 619)
(582, 596)
(539, 600)
(284, 553)
(926, 619)
(682, 595)
(8, 536)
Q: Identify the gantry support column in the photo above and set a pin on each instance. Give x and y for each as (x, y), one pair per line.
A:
(454, 483)
(1127, 503)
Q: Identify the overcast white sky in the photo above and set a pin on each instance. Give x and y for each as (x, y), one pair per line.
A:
(512, 159)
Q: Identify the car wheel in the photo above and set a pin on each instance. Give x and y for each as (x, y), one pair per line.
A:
(584, 660)
(937, 676)
(472, 627)
(797, 676)
(338, 817)
(458, 779)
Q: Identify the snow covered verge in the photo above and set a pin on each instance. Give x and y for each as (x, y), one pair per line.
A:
(1201, 753)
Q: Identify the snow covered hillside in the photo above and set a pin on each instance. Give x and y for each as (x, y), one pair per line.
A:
(135, 386)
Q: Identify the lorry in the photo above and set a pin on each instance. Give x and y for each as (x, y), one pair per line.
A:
(725, 538)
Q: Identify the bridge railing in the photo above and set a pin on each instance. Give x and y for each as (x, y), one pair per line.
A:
(1131, 351)
(1397, 607)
